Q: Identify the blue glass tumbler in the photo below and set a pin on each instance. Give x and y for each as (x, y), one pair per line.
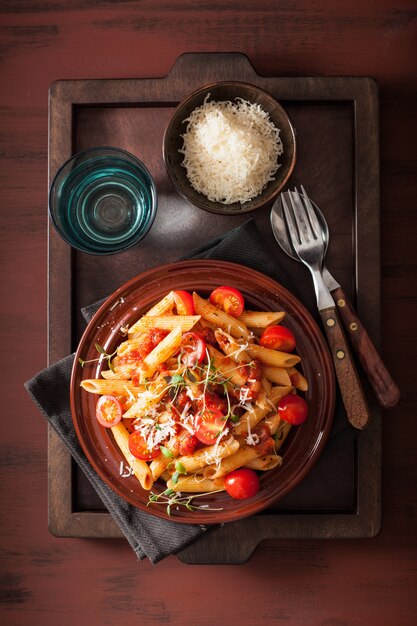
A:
(103, 200)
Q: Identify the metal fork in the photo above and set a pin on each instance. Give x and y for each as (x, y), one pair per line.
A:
(307, 240)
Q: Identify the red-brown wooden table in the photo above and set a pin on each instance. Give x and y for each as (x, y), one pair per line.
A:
(95, 582)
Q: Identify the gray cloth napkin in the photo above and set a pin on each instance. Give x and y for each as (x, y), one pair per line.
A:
(148, 535)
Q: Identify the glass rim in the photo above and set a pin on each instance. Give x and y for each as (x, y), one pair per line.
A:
(154, 194)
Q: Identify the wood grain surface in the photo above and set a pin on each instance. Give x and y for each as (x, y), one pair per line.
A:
(384, 387)
(358, 412)
(45, 580)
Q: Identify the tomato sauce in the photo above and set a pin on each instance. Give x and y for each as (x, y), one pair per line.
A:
(265, 444)
(150, 341)
(253, 375)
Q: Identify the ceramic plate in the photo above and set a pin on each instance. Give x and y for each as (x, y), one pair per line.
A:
(302, 447)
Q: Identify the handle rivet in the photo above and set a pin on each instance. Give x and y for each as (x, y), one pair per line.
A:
(340, 354)
(353, 326)
(330, 322)
(341, 302)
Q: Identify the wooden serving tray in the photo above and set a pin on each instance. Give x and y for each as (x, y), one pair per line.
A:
(338, 162)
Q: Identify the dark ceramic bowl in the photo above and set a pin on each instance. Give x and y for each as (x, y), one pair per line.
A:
(221, 92)
(304, 443)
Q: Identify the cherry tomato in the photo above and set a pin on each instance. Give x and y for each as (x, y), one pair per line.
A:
(184, 303)
(229, 299)
(139, 448)
(241, 484)
(209, 423)
(193, 348)
(108, 411)
(212, 400)
(278, 338)
(293, 409)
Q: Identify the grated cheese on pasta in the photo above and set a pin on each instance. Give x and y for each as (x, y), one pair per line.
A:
(230, 150)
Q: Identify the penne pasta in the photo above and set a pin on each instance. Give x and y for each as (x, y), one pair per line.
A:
(251, 418)
(195, 484)
(278, 375)
(244, 455)
(140, 468)
(273, 422)
(276, 358)
(112, 386)
(297, 379)
(163, 307)
(226, 367)
(185, 322)
(145, 402)
(131, 344)
(265, 463)
(281, 434)
(207, 455)
(231, 347)
(165, 349)
(219, 318)
(261, 319)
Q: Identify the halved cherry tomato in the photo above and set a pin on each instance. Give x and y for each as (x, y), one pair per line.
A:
(278, 338)
(212, 400)
(209, 423)
(108, 411)
(184, 303)
(293, 409)
(139, 448)
(229, 299)
(193, 349)
(241, 484)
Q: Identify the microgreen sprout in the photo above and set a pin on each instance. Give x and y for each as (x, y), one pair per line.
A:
(175, 383)
(171, 498)
(103, 353)
(179, 469)
(167, 453)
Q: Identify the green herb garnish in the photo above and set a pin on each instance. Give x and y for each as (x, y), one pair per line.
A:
(167, 453)
(171, 498)
(103, 353)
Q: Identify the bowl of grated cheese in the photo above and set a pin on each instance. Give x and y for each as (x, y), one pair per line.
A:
(229, 148)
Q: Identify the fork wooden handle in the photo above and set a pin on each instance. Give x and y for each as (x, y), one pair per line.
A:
(350, 387)
(386, 390)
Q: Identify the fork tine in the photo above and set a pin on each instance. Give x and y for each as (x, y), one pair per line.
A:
(315, 224)
(289, 219)
(301, 218)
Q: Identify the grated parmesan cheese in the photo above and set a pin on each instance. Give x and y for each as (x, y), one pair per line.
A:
(230, 150)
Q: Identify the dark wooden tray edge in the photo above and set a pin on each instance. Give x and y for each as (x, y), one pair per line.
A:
(364, 92)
